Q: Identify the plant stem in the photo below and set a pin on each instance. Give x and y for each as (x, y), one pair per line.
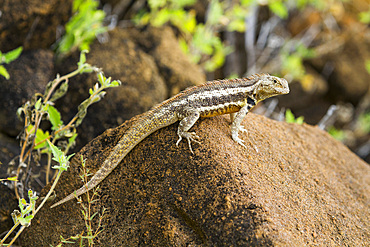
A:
(9, 232)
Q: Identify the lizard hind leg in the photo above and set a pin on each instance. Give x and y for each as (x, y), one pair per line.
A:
(191, 116)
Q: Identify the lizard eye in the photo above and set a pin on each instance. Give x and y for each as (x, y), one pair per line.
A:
(275, 81)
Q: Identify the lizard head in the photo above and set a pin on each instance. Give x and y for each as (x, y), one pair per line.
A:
(268, 86)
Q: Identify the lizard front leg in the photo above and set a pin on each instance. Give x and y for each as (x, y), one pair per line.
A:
(236, 126)
(188, 119)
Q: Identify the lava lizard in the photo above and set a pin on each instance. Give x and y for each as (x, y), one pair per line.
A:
(230, 96)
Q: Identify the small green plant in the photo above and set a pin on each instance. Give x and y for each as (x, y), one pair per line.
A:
(8, 58)
(54, 143)
(28, 210)
(290, 118)
(82, 28)
(87, 214)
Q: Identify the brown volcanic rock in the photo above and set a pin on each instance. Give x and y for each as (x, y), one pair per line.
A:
(31, 23)
(29, 74)
(174, 66)
(301, 188)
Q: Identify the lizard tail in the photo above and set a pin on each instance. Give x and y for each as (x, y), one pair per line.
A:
(119, 152)
(80, 191)
(131, 138)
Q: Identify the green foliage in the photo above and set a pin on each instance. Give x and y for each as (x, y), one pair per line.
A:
(337, 133)
(54, 117)
(82, 28)
(278, 8)
(59, 157)
(200, 40)
(39, 137)
(290, 118)
(14, 178)
(292, 56)
(367, 65)
(318, 4)
(364, 123)
(8, 58)
(54, 143)
(87, 214)
(365, 17)
(26, 214)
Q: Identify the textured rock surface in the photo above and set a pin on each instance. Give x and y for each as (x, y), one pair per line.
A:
(29, 75)
(301, 188)
(32, 24)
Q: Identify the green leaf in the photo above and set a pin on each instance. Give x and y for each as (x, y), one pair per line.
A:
(156, 4)
(4, 72)
(41, 136)
(367, 65)
(182, 3)
(57, 153)
(101, 78)
(115, 83)
(294, 65)
(82, 58)
(54, 117)
(364, 17)
(236, 25)
(183, 45)
(202, 40)
(60, 92)
(289, 117)
(364, 123)
(38, 104)
(189, 22)
(215, 12)
(337, 133)
(22, 202)
(83, 27)
(59, 157)
(12, 55)
(163, 16)
(12, 178)
(279, 9)
(300, 120)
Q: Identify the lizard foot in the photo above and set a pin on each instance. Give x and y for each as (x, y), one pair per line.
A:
(190, 136)
(241, 142)
(238, 140)
(241, 128)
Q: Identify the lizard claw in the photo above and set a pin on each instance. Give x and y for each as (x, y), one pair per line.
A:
(190, 136)
(241, 128)
(239, 141)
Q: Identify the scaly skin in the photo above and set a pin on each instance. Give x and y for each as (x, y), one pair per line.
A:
(235, 97)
